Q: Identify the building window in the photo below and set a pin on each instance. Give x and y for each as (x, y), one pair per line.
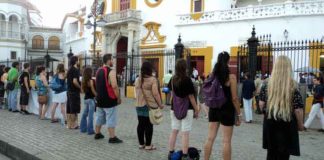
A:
(54, 43)
(13, 55)
(124, 5)
(38, 42)
(197, 5)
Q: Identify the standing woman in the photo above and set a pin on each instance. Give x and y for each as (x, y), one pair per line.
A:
(147, 94)
(4, 79)
(202, 105)
(89, 90)
(182, 87)
(284, 112)
(229, 114)
(42, 84)
(59, 96)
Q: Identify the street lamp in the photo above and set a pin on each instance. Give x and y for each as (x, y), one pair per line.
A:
(286, 34)
(47, 58)
(69, 56)
(96, 13)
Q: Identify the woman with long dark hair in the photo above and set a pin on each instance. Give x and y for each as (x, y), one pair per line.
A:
(229, 114)
(183, 88)
(147, 95)
(59, 89)
(89, 90)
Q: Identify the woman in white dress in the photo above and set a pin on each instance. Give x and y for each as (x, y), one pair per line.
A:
(58, 86)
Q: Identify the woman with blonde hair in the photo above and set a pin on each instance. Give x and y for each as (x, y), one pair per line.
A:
(283, 113)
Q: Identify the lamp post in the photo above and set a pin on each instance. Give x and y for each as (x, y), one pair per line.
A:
(69, 56)
(96, 13)
(285, 33)
(47, 58)
(179, 47)
(253, 44)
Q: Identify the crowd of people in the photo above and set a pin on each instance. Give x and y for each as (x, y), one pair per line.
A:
(278, 98)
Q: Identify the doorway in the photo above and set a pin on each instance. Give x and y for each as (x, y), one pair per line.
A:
(121, 54)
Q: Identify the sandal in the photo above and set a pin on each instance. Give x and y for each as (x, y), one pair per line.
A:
(151, 148)
(141, 147)
(77, 127)
(54, 121)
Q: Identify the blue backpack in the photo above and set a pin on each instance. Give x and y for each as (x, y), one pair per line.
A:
(54, 84)
(193, 153)
(213, 92)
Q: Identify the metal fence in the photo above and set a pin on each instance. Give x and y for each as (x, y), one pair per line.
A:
(306, 56)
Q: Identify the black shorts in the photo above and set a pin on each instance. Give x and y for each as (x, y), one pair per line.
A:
(224, 115)
(24, 97)
(73, 105)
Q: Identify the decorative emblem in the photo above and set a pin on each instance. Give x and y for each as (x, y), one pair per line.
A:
(153, 3)
(98, 7)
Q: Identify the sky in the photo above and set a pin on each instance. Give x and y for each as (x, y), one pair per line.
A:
(53, 11)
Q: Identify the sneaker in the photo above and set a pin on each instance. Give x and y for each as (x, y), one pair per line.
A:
(321, 130)
(10, 110)
(115, 140)
(99, 136)
(15, 111)
(22, 112)
(26, 112)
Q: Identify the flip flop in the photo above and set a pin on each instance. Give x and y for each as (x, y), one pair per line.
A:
(152, 148)
(54, 121)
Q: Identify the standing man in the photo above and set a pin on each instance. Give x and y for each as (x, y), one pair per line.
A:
(166, 80)
(24, 89)
(108, 98)
(13, 91)
(247, 94)
(258, 84)
(73, 94)
(195, 73)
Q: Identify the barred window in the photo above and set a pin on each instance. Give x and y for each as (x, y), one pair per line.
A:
(38, 42)
(54, 43)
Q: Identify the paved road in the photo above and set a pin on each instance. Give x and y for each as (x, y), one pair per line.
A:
(52, 141)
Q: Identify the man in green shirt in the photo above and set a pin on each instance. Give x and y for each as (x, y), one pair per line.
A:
(166, 80)
(13, 78)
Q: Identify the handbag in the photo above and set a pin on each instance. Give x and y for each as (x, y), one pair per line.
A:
(155, 114)
(180, 105)
(42, 99)
(10, 86)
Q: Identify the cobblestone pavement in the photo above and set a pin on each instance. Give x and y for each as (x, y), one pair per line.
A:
(52, 141)
(2, 157)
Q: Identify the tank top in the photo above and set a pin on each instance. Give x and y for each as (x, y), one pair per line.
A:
(228, 95)
(88, 93)
(41, 88)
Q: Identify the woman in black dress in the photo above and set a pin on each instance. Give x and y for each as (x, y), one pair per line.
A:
(283, 112)
(229, 114)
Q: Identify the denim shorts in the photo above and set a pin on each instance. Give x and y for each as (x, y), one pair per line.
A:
(142, 111)
(106, 116)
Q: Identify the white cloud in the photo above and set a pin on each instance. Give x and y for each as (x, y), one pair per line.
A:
(53, 11)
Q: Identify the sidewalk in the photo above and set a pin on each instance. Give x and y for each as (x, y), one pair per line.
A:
(26, 137)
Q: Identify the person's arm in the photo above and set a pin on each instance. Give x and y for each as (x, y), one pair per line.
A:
(113, 81)
(44, 80)
(26, 84)
(93, 90)
(156, 94)
(235, 99)
(194, 104)
(76, 83)
(299, 116)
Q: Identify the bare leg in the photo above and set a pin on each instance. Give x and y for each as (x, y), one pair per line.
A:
(63, 111)
(40, 111)
(185, 142)
(227, 142)
(53, 110)
(44, 110)
(212, 133)
(172, 139)
(98, 129)
(111, 132)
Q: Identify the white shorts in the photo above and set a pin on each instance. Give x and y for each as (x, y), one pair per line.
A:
(184, 124)
(59, 98)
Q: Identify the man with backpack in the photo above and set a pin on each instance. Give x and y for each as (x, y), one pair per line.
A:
(12, 87)
(108, 98)
(24, 89)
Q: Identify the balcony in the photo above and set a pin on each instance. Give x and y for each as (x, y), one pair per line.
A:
(286, 9)
(74, 36)
(123, 17)
(12, 35)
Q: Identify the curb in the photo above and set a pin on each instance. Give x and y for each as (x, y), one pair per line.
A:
(15, 153)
